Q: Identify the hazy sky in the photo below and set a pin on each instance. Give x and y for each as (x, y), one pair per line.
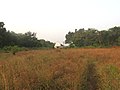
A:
(53, 19)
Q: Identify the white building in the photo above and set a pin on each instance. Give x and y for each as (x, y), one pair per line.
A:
(66, 45)
(59, 45)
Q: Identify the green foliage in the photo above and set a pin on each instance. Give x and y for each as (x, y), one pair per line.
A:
(13, 49)
(72, 45)
(27, 39)
(111, 80)
(119, 41)
(4, 35)
(46, 44)
(95, 38)
(69, 37)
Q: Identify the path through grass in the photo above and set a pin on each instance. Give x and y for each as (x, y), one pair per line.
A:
(90, 77)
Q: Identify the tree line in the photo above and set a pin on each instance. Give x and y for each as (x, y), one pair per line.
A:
(93, 37)
(28, 39)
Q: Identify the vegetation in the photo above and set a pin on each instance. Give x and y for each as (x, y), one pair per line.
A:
(95, 38)
(79, 38)
(61, 69)
(27, 40)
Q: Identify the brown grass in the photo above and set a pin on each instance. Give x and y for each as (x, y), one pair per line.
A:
(63, 69)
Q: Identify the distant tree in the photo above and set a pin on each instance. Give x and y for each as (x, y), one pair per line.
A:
(47, 44)
(27, 39)
(114, 34)
(69, 37)
(93, 37)
(1, 25)
(3, 35)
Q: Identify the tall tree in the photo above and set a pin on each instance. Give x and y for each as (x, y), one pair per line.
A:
(3, 35)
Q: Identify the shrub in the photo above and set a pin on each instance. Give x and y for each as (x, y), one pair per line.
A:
(13, 49)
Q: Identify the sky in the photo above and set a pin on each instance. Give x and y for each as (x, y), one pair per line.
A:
(53, 19)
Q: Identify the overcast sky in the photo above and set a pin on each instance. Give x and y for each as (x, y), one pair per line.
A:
(53, 19)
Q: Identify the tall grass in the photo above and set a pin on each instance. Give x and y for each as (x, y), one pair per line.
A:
(63, 69)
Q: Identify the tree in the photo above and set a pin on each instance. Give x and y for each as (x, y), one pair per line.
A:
(69, 37)
(1, 25)
(28, 39)
(3, 35)
(93, 37)
(114, 35)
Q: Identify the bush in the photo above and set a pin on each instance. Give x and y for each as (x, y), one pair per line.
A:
(13, 49)
(72, 45)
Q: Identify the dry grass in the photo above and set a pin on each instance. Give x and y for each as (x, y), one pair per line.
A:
(61, 69)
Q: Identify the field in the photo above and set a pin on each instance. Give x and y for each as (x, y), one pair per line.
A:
(61, 69)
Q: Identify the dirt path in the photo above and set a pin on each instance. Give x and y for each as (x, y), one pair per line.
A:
(90, 78)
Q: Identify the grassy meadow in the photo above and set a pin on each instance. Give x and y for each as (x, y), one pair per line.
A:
(61, 69)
